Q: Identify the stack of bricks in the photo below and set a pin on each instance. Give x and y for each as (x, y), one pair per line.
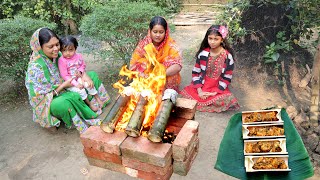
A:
(141, 158)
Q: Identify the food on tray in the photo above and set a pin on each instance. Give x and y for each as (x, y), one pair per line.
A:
(263, 146)
(266, 131)
(261, 116)
(269, 163)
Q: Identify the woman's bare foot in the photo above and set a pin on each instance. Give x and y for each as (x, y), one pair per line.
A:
(93, 108)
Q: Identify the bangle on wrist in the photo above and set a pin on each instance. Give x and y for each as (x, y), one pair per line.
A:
(57, 94)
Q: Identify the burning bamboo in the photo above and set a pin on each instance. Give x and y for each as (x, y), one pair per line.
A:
(157, 130)
(109, 123)
(135, 122)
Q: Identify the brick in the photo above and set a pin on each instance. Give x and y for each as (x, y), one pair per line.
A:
(185, 108)
(138, 165)
(149, 175)
(141, 149)
(106, 165)
(184, 141)
(93, 153)
(99, 140)
(182, 167)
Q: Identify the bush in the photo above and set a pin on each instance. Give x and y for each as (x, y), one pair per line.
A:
(120, 26)
(15, 51)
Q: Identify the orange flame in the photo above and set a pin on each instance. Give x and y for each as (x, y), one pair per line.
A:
(153, 84)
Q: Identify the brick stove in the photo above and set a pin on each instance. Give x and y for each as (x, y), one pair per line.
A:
(138, 157)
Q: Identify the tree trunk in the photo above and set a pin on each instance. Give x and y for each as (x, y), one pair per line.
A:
(314, 107)
(135, 122)
(156, 132)
(118, 108)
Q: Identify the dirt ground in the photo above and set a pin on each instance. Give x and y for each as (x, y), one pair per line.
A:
(28, 151)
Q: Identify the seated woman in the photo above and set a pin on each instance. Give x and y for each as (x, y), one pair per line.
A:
(166, 49)
(50, 103)
(212, 73)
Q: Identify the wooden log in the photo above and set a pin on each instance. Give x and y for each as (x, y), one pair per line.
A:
(109, 123)
(156, 132)
(135, 122)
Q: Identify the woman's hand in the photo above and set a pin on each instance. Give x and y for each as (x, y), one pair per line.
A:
(173, 69)
(66, 84)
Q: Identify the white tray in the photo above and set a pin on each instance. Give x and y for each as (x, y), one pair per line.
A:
(282, 142)
(247, 113)
(250, 160)
(245, 131)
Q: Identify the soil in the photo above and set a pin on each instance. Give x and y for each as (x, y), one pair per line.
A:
(30, 152)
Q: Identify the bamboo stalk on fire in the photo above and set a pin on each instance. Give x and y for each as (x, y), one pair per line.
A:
(109, 123)
(135, 122)
(156, 132)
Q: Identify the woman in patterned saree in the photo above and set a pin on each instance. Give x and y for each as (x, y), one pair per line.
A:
(50, 102)
(166, 50)
(212, 73)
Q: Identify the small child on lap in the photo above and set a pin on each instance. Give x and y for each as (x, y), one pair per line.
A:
(72, 65)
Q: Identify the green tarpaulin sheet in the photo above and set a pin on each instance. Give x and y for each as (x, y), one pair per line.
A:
(230, 158)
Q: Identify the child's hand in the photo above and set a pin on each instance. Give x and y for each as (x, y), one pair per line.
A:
(78, 74)
(80, 86)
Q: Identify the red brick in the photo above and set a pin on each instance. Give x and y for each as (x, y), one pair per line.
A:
(93, 153)
(99, 140)
(141, 149)
(184, 141)
(182, 167)
(149, 175)
(106, 165)
(185, 108)
(138, 165)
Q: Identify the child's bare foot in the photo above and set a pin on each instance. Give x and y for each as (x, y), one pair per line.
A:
(93, 108)
(100, 102)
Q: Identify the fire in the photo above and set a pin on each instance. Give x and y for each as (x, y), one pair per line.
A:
(150, 87)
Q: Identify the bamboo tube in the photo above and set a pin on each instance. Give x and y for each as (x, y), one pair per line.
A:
(156, 132)
(135, 122)
(110, 122)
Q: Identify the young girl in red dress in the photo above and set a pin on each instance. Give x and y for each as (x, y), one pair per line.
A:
(212, 73)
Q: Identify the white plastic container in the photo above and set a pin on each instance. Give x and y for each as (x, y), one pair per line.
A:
(251, 160)
(262, 114)
(259, 128)
(255, 145)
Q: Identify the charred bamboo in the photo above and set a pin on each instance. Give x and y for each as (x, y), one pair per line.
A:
(110, 122)
(157, 130)
(135, 122)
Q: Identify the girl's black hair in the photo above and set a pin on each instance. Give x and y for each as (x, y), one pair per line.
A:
(45, 34)
(214, 29)
(158, 20)
(68, 41)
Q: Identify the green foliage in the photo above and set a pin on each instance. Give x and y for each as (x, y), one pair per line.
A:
(119, 26)
(232, 18)
(15, 36)
(170, 6)
(303, 22)
(66, 14)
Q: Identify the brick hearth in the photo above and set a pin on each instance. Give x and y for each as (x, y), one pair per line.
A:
(141, 158)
